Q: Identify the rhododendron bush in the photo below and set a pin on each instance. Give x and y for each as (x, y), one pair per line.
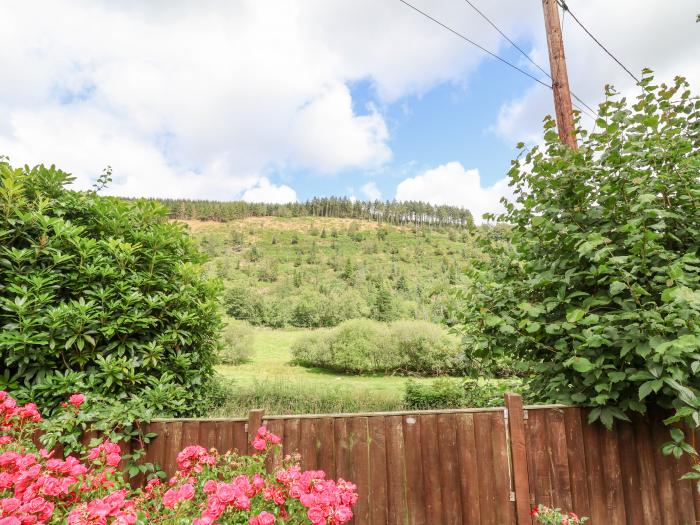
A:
(37, 486)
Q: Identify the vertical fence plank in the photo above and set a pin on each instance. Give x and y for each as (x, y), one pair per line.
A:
(594, 469)
(538, 450)
(505, 509)
(647, 472)
(173, 445)
(665, 474)
(469, 478)
(487, 492)
(518, 451)
(308, 444)
(359, 451)
(291, 436)
(630, 474)
(343, 458)
(190, 434)
(556, 430)
(414, 470)
(377, 470)
(396, 478)
(431, 466)
(326, 449)
(576, 453)
(615, 501)
(449, 469)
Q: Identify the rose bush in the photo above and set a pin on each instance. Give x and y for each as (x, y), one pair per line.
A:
(38, 487)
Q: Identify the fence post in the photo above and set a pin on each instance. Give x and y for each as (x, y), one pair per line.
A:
(255, 418)
(521, 479)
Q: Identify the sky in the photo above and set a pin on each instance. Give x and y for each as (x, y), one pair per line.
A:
(282, 100)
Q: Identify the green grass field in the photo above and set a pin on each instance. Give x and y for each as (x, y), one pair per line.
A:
(270, 381)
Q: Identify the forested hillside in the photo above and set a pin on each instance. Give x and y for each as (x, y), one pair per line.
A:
(389, 212)
(318, 272)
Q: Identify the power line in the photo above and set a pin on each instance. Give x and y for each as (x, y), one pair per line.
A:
(460, 35)
(527, 56)
(565, 7)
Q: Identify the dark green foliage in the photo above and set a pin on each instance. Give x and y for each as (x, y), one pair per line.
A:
(383, 306)
(100, 294)
(600, 289)
(364, 346)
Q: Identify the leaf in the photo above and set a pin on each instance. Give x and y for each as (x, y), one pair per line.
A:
(580, 364)
(677, 435)
(617, 287)
(650, 386)
(575, 315)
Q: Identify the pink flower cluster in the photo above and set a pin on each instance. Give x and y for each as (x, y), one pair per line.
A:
(191, 460)
(327, 502)
(551, 516)
(37, 488)
(265, 437)
(13, 417)
(98, 511)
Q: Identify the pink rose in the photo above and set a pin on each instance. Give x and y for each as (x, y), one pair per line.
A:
(259, 443)
(316, 515)
(265, 518)
(113, 459)
(186, 492)
(9, 504)
(76, 400)
(10, 521)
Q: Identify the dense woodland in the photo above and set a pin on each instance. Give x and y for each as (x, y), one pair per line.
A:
(389, 212)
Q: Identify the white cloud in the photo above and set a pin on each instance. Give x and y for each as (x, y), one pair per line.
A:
(355, 141)
(205, 100)
(452, 184)
(658, 35)
(266, 192)
(371, 192)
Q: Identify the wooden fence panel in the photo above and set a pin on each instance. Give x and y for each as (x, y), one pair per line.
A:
(470, 467)
(614, 477)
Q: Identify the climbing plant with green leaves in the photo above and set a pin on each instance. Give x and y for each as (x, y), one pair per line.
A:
(100, 295)
(599, 288)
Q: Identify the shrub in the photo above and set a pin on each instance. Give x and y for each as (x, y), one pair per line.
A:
(468, 393)
(287, 396)
(601, 287)
(101, 292)
(237, 343)
(365, 346)
(208, 487)
(425, 348)
(441, 393)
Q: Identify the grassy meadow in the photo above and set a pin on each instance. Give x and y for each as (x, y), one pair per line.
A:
(285, 278)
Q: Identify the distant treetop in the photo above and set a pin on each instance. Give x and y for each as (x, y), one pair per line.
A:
(391, 212)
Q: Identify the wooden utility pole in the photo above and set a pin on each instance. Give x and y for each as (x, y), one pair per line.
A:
(560, 78)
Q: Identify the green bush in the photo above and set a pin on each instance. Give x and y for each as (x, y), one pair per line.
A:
(100, 294)
(237, 343)
(365, 346)
(425, 348)
(600, 290)
(441, 393)
(467, 393)
(280, 396)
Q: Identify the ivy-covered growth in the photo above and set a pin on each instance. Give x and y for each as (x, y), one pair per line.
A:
(100, 295)
(600, 288)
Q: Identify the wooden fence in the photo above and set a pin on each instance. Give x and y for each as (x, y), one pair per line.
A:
(471, 466)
